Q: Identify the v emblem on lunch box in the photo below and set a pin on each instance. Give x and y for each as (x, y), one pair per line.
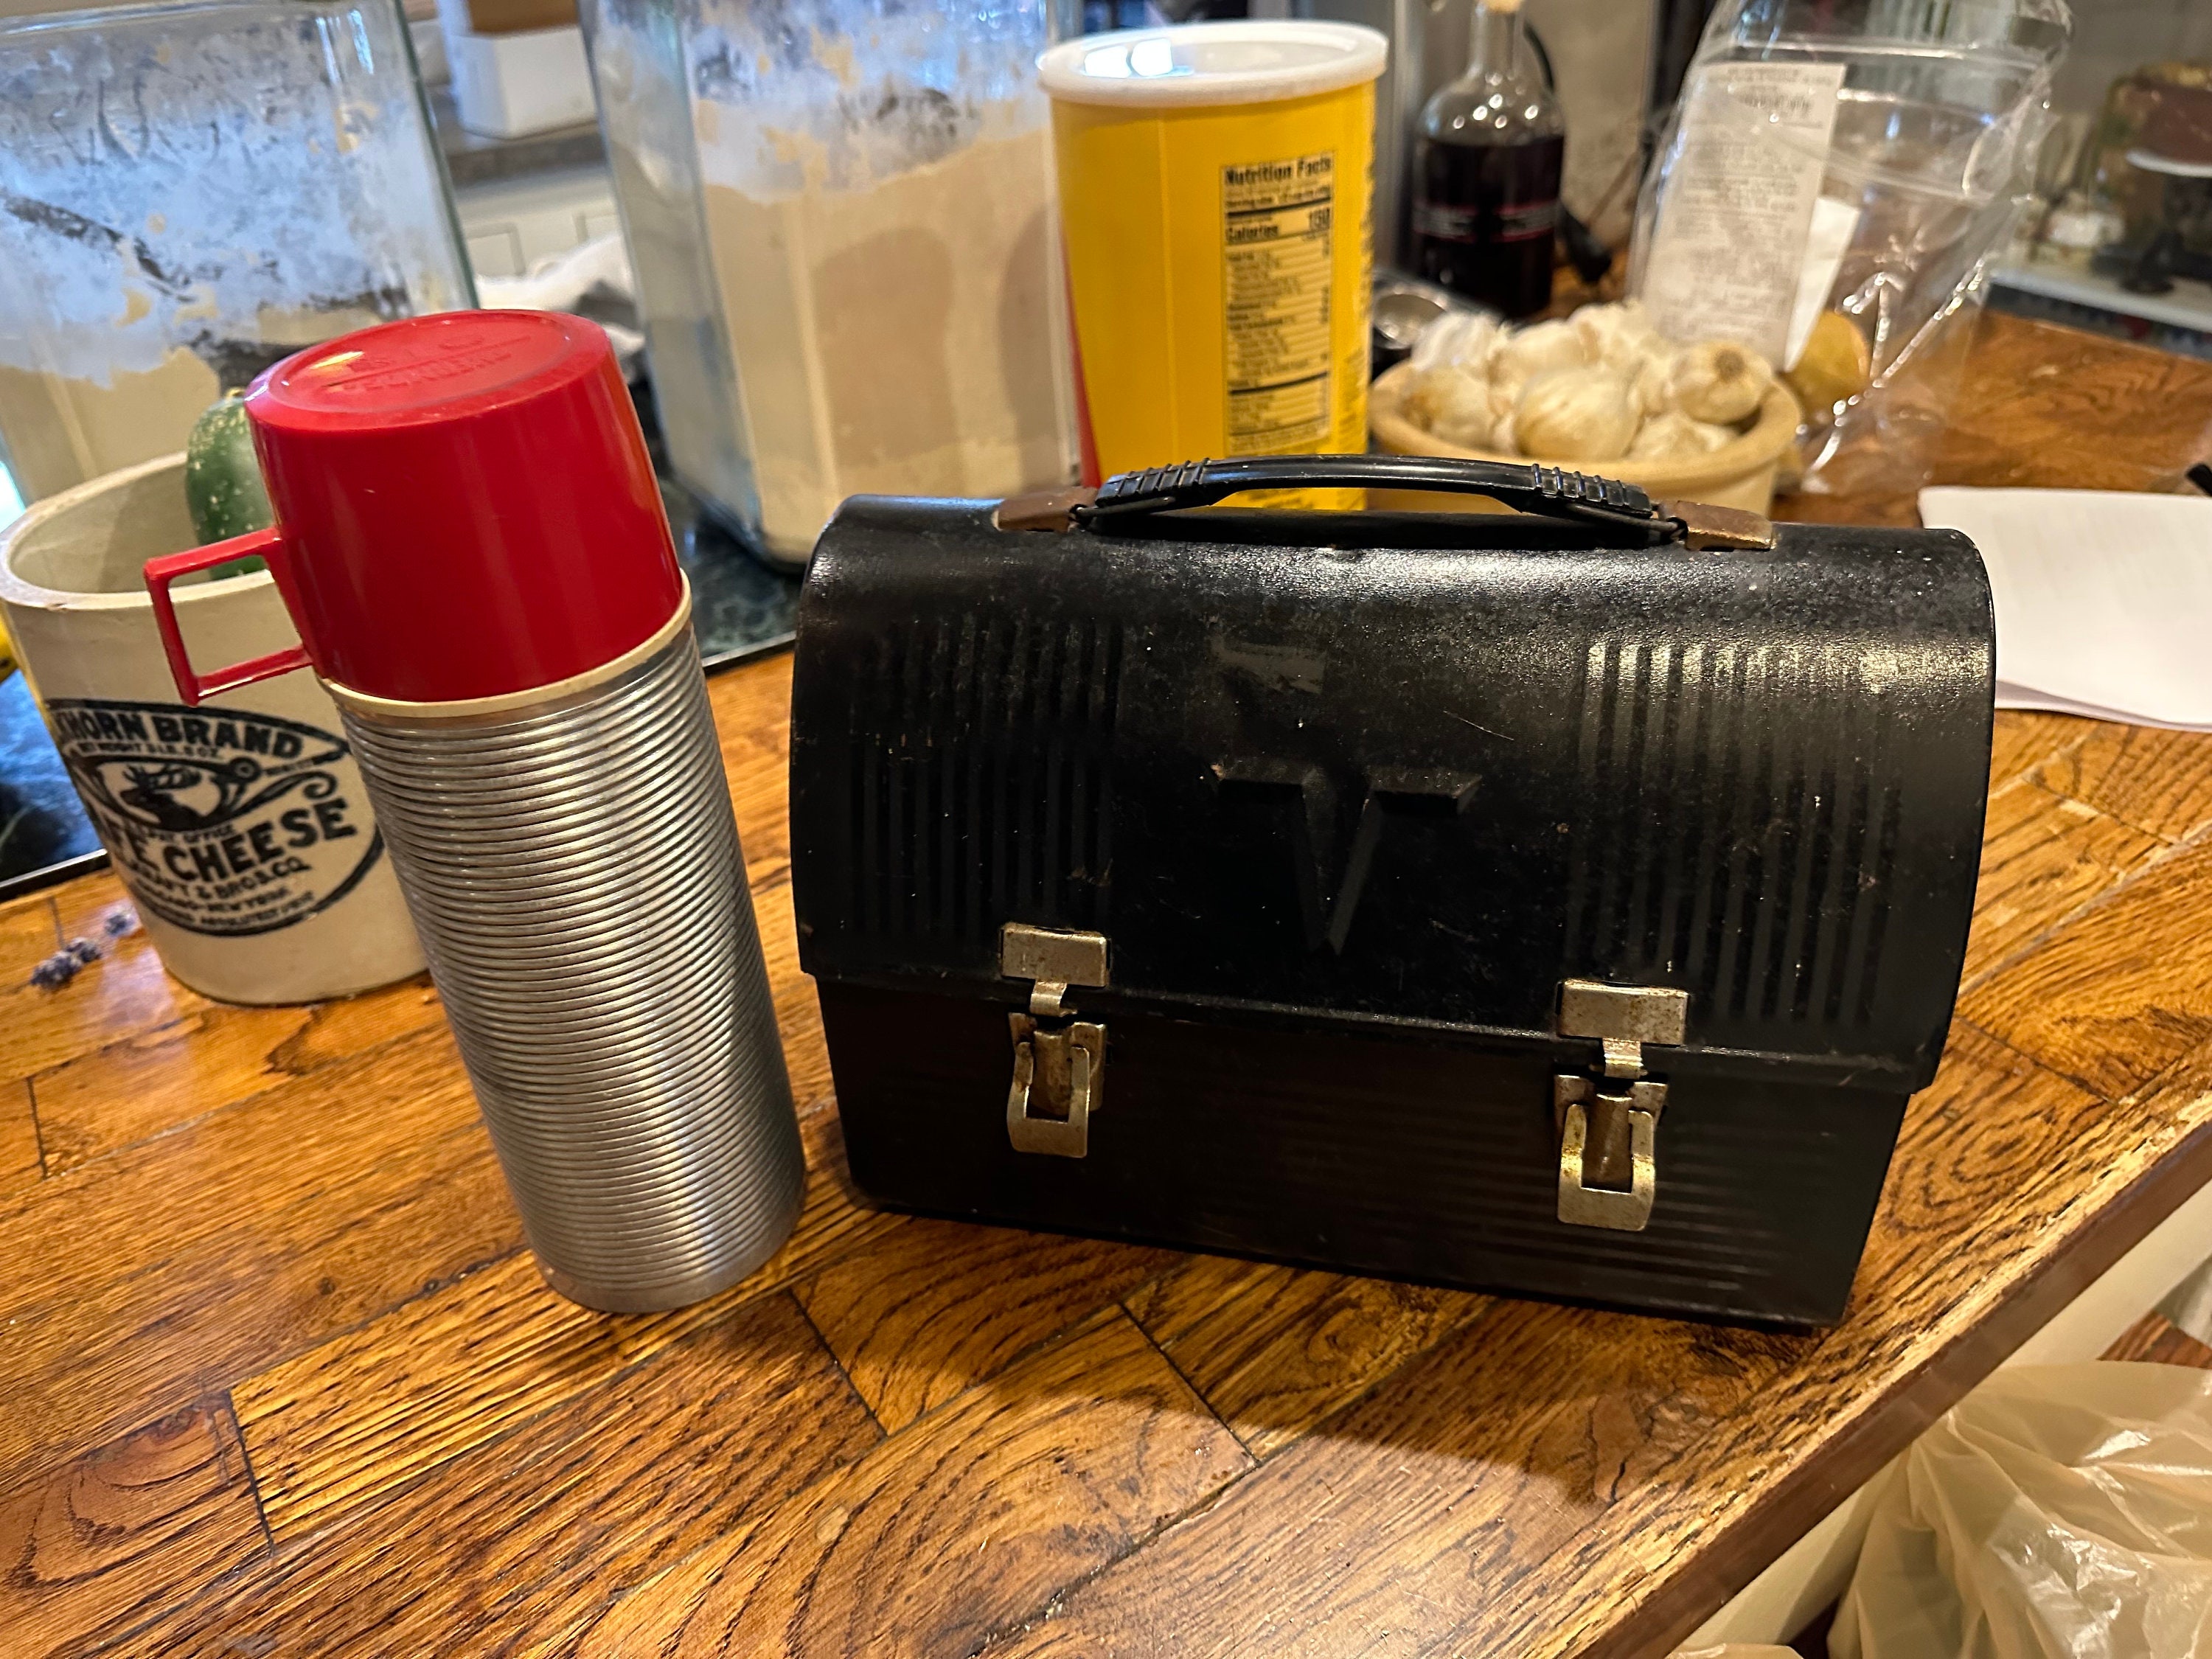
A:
(1304, 795)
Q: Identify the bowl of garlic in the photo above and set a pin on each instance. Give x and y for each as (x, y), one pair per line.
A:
(1599, 392)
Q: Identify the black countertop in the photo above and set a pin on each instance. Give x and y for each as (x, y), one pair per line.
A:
(740, 608)
(44, 834)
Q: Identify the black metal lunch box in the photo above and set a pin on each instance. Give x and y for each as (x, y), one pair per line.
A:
(1559, 905)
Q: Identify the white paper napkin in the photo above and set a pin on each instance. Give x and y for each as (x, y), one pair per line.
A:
(2104, 598)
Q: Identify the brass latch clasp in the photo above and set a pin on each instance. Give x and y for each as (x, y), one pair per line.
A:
(1060, 1059)
(1608, 1124)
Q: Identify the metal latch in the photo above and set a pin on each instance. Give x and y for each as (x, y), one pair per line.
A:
(1059, 1060)
(1608, 1124)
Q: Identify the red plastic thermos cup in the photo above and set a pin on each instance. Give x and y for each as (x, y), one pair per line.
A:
(470, 540)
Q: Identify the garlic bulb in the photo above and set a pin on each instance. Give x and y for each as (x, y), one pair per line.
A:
(1580, 414)
(1619, 336)
(1523, 354)
(1720, 381)
(1603, 384)
(1636, 320)
(1675, 436)
(1458, 339)
(1651, 382)
(1451, 405)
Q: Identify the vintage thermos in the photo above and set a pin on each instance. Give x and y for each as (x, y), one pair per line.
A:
(470, 541)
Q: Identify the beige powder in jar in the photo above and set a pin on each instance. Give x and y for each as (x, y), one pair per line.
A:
(58, 431)
(902, 339)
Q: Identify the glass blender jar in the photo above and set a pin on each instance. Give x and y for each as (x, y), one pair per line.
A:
(841, 215)
(189, 193)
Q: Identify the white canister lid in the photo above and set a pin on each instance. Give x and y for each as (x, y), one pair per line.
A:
(1233, 62)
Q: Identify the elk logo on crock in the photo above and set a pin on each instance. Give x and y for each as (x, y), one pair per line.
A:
(220, 821)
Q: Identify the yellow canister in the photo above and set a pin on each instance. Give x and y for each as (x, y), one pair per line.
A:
(1216, 185)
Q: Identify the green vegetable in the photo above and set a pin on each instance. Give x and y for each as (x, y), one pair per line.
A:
(222, 481)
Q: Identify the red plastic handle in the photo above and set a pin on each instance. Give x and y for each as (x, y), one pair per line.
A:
(195, 689)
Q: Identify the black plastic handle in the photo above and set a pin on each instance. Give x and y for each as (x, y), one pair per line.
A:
(1532, 488)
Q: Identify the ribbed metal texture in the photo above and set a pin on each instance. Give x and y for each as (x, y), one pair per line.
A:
(1741, 835)
(575, 874)
(981, 776)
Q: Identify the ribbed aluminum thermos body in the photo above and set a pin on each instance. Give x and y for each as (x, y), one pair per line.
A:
(573, 868)
(524, 696)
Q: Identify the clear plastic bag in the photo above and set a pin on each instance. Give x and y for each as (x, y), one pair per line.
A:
(1836, 179)
(2059, 1510)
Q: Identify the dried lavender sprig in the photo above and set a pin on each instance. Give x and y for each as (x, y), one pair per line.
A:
(79, 954)
(59, 969)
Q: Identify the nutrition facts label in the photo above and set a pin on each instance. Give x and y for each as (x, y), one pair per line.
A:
(1277, 254)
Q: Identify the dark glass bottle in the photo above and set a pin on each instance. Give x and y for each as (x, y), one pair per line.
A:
(1486, 172)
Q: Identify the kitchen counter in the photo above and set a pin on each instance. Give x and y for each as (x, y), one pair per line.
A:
(282, 1378)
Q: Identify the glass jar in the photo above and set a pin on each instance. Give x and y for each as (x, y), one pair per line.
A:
(639, 74)
(1488, 159)
(843, 219)
(189, 193)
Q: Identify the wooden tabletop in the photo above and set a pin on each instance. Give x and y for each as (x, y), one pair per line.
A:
(280, 1378)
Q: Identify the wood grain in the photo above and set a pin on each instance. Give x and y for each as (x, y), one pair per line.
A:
(124, 992)
(797, 1012)
(752, 710)
(936, 1306)
(2020, 743)
(155, 1080)
(29, 932)
(752, 720)
(2123, 991)
(2154, 1340)
(2160, 781)
(19, 1136)
(26, 904)
(1411, 1515)
(29, 929)
(1534, 1485)
(104, 1542)
(2043, 407)
(2044, 856)
(1275, 1351)
(534, 1534)
(153, 1277)
(339, 1426)
(2031, 394)
(961, 1528)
